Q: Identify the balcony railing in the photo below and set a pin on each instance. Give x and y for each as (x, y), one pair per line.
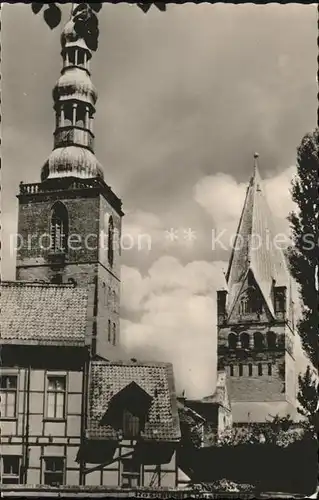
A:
(72, 184)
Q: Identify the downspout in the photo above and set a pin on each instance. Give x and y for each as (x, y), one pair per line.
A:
(27, 429)
(95, 312)
(22, 472)
(84, 404)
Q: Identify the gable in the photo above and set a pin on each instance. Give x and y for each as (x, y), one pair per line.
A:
(249, 303)
(256, 249)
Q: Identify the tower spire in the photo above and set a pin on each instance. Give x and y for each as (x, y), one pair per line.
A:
(74, 98)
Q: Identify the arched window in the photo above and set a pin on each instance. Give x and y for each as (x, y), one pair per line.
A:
(114, 334)
(80, 116)
(244, 340)
(59, 227)
(250, 302)
(110, 249)
(258, 340)
(109, 330)
(114, 301)
(271, 340)
(232, 341)
(243, 306)
(67, 119)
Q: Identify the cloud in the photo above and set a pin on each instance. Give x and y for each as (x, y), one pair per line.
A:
(177, 321)
(223, 198)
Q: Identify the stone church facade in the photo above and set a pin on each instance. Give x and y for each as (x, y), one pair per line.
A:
(256, 331)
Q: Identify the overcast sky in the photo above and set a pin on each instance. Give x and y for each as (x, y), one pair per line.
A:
(185, 98)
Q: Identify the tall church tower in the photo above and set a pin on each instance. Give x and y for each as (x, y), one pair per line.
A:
(255, 317)
(69, 224)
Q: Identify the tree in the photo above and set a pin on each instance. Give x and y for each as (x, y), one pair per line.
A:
(84, 15)
(303, 255)
(89, 23)
(308, 400)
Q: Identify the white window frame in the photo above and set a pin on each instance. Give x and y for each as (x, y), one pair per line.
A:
(4, 476)
(14, 374)
(48, 471)
(55, 374)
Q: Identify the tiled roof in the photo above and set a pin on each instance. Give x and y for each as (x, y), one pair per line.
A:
(254, 248)
(42, 314)
(156, 379)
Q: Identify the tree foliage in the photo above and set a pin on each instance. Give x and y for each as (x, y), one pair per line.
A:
(308, 400)
(86, 22)
(278, 431)
(303, 255)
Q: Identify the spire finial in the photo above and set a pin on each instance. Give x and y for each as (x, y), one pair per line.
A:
(256, 156)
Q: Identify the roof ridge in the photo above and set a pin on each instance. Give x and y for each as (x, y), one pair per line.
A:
(37, 284)
(124, 362)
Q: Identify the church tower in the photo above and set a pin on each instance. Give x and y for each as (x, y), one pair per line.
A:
(255, 317)
(69, 223)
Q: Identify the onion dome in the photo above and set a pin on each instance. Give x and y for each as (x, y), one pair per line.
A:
(71, 161)
(76, 84)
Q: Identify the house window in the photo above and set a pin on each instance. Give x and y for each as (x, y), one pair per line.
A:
(59, 228)
(250, 369)
(269, 369)
(231, 369)
(131, 425)
(56, 387)
(260, 369)
(54, 471)
(131, 473)
(8, 396)
(10, 473)
(57, 279)
(240, 370)
(110, 249)
(109, 330)
(114, 333)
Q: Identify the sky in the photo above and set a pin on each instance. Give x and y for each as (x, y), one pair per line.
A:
(186, 97)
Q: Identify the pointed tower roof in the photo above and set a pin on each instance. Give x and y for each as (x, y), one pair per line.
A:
(255, 248)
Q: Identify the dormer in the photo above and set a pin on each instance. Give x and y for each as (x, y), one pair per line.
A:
(128, 411)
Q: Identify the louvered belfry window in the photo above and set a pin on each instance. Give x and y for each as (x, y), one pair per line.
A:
(59, 228)
(110, 249)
